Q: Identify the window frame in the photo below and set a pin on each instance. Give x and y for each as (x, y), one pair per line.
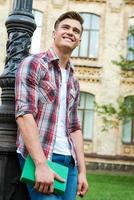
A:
(131, 37)
(83, 110)
(89, 30)
(132, 125)
(37, 28)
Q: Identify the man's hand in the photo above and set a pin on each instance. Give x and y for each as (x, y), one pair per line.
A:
(82, 185)
(45, 178)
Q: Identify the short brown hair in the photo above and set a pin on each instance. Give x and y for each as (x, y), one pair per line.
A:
(69, 15)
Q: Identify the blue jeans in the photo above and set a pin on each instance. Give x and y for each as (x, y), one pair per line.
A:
(71, 188)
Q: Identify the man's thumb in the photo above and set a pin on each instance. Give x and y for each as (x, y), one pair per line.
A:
(59, 178)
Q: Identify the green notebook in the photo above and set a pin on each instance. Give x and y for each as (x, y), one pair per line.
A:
(28, 174)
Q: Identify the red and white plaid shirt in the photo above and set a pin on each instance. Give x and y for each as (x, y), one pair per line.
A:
(37, 86)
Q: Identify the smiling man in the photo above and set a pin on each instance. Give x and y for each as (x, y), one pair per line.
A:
(47, 97)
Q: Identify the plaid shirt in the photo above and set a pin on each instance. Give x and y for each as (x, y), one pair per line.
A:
(37, 88)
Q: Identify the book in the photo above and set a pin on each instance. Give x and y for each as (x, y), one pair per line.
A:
(28, 174)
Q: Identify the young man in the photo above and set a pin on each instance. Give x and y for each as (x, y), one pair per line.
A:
(47, 97)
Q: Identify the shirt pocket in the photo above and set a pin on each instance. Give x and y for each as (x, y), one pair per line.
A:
(47, 92)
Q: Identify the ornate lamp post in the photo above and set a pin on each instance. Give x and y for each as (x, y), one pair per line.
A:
(20, 27)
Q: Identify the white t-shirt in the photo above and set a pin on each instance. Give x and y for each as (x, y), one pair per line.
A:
(61, 145)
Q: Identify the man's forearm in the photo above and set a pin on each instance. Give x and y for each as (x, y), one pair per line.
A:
(78, 142)
(29, 132)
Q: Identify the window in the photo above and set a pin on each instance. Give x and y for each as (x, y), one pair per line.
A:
(36, 39)
(128, 124)
(90, 37)
(86, 114)
(130, 54)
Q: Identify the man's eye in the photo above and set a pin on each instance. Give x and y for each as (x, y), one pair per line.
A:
(65, 27)
(77, 31)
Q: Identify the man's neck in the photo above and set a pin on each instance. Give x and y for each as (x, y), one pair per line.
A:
(63, 57)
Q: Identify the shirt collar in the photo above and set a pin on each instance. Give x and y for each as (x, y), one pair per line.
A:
(53, 58)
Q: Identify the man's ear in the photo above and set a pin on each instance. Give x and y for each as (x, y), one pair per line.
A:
(53, 34)
(78, 43)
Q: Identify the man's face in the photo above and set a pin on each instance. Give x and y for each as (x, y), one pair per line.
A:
(67, 35)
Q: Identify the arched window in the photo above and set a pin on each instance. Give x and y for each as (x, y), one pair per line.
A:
(36, 39)
(130, 40)
(86, 114)
(90, 37)
(128, 124)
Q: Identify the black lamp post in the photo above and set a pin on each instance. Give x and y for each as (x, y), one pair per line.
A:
(20, 27)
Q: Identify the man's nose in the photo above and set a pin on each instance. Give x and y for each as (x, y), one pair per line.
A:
(70, 32)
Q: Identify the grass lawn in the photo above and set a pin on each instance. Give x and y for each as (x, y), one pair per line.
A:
(109, 187)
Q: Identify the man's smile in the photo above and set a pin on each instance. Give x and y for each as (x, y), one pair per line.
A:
(68, 39)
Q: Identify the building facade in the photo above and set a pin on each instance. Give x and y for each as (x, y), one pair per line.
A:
(105, 38)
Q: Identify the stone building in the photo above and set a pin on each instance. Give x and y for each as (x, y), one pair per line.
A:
(105, 38)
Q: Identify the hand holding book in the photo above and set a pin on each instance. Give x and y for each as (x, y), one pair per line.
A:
(28, 174)
(45, 177)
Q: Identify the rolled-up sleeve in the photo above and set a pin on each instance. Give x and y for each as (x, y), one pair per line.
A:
(74, 124)
(26, 87)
